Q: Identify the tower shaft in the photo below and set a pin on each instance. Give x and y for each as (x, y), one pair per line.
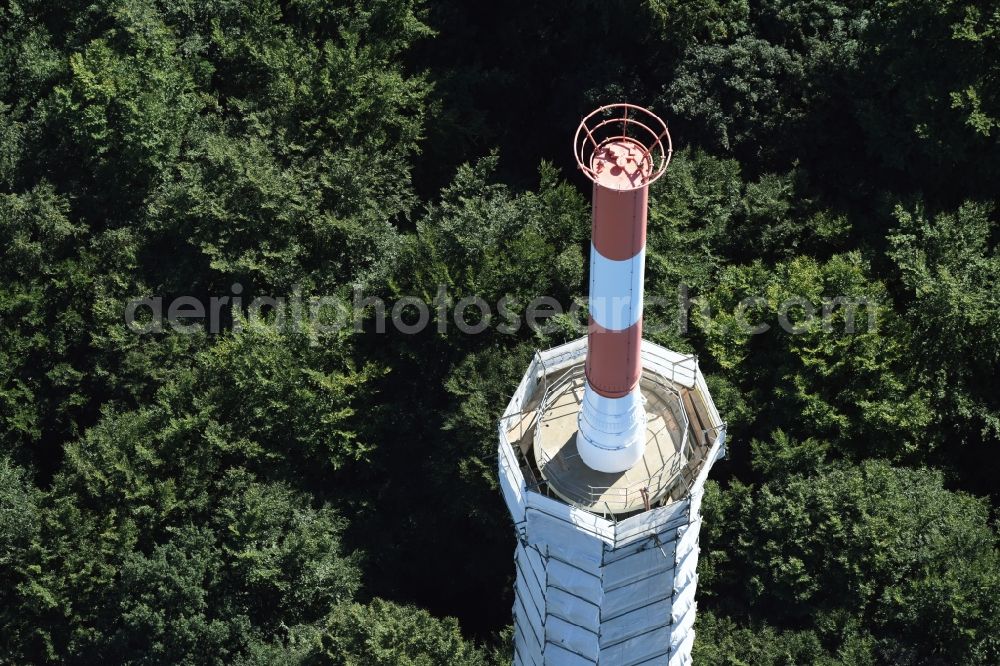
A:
(612, 422)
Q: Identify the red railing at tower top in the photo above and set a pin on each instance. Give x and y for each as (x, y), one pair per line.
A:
(615, 123)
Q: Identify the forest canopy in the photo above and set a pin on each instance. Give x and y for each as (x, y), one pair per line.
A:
(276, 490)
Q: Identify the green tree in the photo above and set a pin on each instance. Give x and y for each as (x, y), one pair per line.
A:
(867, 547)
(723, 642)
(199, 482)
(20, 525)
(829, 363)
(265, 559)
(949, 270)
(378, 633)
(932, 106)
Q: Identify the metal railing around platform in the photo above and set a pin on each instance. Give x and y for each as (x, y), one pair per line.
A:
(615, 499)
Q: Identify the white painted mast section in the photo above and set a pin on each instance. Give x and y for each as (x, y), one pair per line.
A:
(616, 289)
(612, 431)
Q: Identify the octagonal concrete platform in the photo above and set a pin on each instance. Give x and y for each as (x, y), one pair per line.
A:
(681, 425)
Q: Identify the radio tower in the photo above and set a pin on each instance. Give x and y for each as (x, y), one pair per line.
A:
(606, 444)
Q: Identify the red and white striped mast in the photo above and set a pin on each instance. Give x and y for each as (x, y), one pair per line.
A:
(622, 149)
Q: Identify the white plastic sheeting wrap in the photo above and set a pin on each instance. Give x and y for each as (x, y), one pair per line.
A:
(590, 590)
